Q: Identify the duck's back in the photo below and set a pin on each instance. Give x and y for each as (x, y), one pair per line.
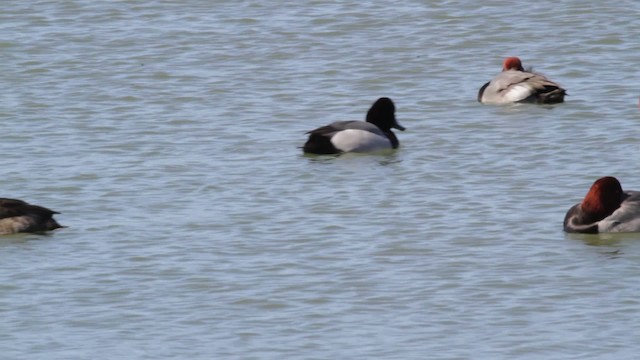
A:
(626, 218)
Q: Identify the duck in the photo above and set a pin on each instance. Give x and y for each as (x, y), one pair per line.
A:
(605, 209)
(17, 216)
(517, 85)
(371, 135)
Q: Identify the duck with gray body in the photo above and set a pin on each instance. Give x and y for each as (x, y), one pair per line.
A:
(358, 136)
(516, 85)
(606, 208)
(17, 216)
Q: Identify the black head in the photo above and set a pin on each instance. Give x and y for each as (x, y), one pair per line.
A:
(383, 114)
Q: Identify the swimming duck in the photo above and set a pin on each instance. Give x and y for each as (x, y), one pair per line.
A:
(605, 208)
(516, 85)
(358, 136)
(18, 216)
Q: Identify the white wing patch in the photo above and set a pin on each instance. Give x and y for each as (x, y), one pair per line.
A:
(15, 224)
(354, 140)
(518, 92)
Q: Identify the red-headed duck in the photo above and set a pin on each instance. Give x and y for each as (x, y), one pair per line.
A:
(516, 85)
(358, 136)
(17, 216)
(605, 208)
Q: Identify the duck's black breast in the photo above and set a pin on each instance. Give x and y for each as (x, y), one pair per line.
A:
(481, 91)
(576, 221)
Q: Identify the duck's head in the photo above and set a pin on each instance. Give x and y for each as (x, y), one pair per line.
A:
(383, 114)
(512, 63)
(603, 198)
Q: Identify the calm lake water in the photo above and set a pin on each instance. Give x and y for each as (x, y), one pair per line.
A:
(167, 133)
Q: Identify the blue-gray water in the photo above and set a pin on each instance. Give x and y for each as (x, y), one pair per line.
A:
(167, 134)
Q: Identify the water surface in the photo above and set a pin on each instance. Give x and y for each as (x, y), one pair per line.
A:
(168, 134)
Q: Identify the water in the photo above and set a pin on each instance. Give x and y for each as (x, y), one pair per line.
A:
(167, 134)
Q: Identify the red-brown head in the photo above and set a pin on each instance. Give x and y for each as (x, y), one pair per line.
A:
(603, 198)
(512, 63)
